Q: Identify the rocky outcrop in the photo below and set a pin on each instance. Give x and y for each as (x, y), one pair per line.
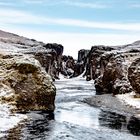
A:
(82, 55)
(67, 66)
(71, 67)
(93, 62)
(81, 62)
(114, 69)
(25, 84)
(134, 76)
(49, 55)
(51, 60)
(114, 76)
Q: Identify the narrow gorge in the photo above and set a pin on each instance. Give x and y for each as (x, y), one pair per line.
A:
(45, 94)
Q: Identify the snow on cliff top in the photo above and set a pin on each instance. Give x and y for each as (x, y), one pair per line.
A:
(16, 39)
(129, 99)
(17, 44)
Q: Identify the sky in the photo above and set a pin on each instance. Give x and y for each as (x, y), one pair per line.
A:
(76, 24)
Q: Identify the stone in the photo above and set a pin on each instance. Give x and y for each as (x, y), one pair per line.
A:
(111, 70)
(67, 66)
(134, 76)
(26, 83)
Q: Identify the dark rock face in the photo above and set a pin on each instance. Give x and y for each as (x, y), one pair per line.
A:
(72, 68)
(82, 55)
(26, 84)
(81, 62)
(78, 69)
(67, 66)
(108, 66)
(134, 76)
(134, 126)
(51, 59)
(113, 78)
(94, 61)
(58, 48)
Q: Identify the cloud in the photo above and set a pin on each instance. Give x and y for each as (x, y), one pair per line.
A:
(6, 4)
(34, 1)
(135, 5)
(85, 4)
(74, 3)
(98, 25)
(10, 16)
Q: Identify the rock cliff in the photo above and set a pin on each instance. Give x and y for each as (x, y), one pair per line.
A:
(25, 65)
(134, 75)
(49, 55)
(115, 69)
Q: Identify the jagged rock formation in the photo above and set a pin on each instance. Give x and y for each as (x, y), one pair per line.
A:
(24, 83)
(93, 61)
(71, 67)
(111, 70)
(51, 60)
(134, 76)
(82, 55)
(49, 55)
(67, 66)
(81, 62)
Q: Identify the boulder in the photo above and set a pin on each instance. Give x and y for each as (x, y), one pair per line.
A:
(25, 84)
(114, 76)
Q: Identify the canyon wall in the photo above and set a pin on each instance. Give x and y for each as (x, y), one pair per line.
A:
(27, 68)
(115, 69)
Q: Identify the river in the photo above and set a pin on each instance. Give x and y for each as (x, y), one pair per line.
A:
(73, 119)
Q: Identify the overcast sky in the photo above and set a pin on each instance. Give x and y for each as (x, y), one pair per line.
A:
(75, 24)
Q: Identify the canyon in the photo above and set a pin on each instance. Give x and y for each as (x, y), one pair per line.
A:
(30, 71)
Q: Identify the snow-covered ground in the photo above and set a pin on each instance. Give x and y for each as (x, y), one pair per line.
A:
(8, 120)
(130, 100)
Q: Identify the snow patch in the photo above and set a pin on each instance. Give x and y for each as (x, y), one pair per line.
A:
(130, 100)
(7, 119)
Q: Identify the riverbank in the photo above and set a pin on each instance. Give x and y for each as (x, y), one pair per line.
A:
(114, 104)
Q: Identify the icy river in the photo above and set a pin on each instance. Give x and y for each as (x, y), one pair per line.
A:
(73, 119)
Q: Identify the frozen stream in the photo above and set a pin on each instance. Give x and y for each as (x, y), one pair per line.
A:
(74, 120)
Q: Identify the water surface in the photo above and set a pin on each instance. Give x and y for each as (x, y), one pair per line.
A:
(74, 120)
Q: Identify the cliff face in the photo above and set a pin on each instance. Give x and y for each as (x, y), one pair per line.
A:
(134, 75)
(81, 62)
(67, 66)
(73, 68)
(114, 75)
(24, 83)
(114, 69)
(49, 55)
(93, 61)
(51, 59)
